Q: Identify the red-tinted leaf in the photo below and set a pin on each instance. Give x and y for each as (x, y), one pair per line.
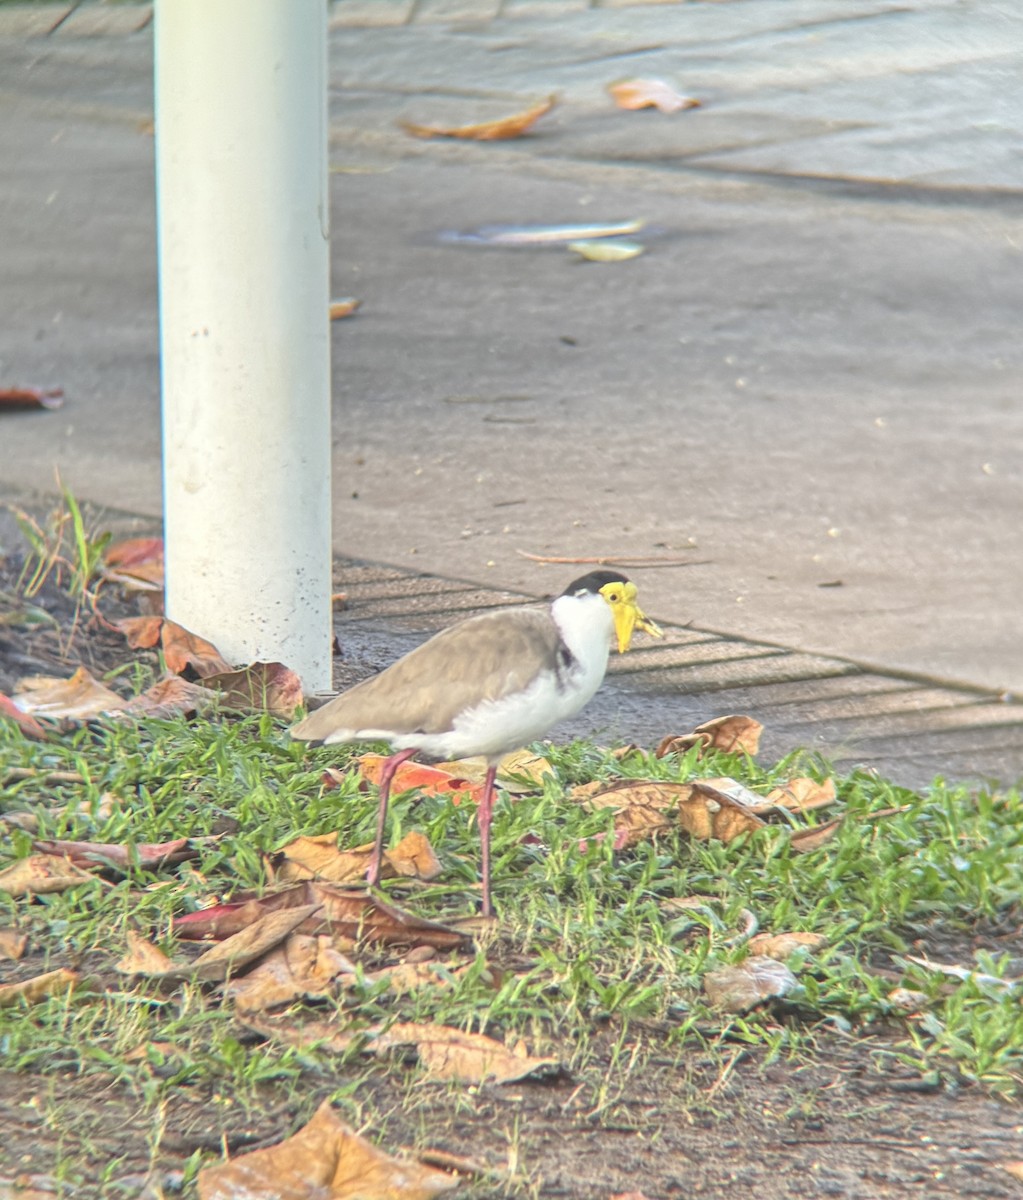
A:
(29, 726)
(31, 397)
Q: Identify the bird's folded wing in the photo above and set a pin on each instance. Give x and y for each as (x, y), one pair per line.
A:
(485, 658)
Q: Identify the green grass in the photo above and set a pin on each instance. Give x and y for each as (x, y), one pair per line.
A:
(585, 951)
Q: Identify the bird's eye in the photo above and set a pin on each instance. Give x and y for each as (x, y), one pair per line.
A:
(614, 597)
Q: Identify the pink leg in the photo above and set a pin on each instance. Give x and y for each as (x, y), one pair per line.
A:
(483, 816)
(386, 775)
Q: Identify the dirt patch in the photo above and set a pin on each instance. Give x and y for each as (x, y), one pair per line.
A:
(850, 1123)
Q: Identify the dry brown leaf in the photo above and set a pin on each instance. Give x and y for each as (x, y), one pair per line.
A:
(302, 966)
(31, 991)
(741, 988)
(326, 1160)
(802, 794)
(355, 915)
(1015, 1169)
(486, 131)
(414, 857)
(343, 308)
(519, 772)
(650, 93)
(31, 397)
(466, 1057)
(41, 874)
(143, 958)
(79, 697)
(318, 857)
(640, 806)
(141, 633)
(324, 1034)
(243, 947)
(12, 943)
(781, 945)
(716, 809)
(172, 696)
(183, 649)
(121, 854)
(908, 1000)
(805, 840)
(136, 564)
(261, 687)
(731, 735)
(411, 976)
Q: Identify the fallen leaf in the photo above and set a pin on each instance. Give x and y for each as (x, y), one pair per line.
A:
(140, 632)
(31, 991)
(717, 810)
(548, 235)
(741, 988)
(29, 726)
(606, 249)
(183, 649)
(414, 857)
(343, 308)
(121, 854)
(650, 93)
(262, 687)
(781, 945)
(355, 915)
(302, 966)
(802, 794)
(486, 131)
(323, 1034)
(172, 696)
(42, 874)
(318, 857)
(406, 977)
(326, 1160)
(31, 397)
(731, 735)
(466, 1057)
(1015, 1169)
(908, 1000)
(519, 772)
(640, 806)
(814, 836)
(12, 943)
(143, 958)
(79, 697)
(136, 564)
(954, 971)
(243, 947)
(130, 552)
(432, 780)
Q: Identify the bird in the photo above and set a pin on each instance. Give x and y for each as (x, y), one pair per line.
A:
(485, 686)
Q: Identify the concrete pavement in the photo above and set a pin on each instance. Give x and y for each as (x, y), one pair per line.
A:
(809, 383)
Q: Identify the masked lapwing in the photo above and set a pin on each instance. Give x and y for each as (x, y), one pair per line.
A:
(486, 686)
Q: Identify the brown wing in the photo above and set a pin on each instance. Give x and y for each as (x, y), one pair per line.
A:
(483, 658)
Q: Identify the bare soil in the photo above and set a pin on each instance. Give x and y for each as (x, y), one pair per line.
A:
(846, 1120)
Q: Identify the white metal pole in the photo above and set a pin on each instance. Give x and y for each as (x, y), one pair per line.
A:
(242, 219)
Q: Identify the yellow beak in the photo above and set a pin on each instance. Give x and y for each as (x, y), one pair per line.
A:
(628, 616)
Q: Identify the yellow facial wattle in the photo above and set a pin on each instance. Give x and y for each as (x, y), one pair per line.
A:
(628, 616)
